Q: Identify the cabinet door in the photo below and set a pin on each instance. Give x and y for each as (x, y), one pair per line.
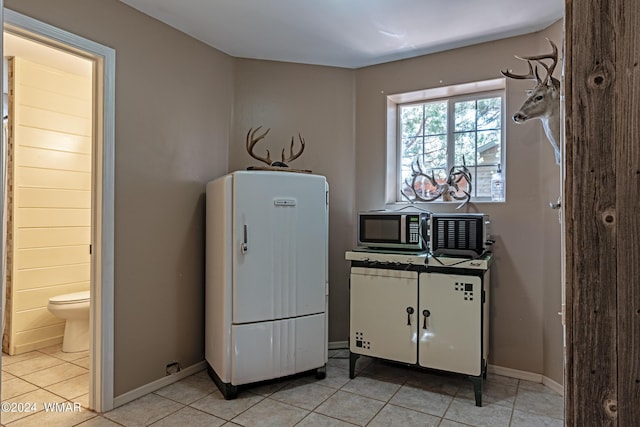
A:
(383, 313)
(450, 309)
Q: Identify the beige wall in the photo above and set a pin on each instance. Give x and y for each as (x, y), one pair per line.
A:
(51, 208)
(174, 98)
(173, 110)
(318, 103)
(526, 276)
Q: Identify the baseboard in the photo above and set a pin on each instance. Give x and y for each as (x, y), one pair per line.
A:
(163, 382)
(528, 376)
(339, 345)
(514, 373)
(25, 348)
(158, 384)
(557, 387)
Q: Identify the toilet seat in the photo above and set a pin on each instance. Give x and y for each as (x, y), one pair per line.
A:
(72, 298)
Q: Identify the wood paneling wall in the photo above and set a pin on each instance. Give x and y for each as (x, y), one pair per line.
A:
(51, 199)
(602, 213)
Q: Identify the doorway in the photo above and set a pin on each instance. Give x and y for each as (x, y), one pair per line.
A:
(101, 61)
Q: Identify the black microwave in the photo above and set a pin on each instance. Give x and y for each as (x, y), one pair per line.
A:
(393, 230)
(465, 235)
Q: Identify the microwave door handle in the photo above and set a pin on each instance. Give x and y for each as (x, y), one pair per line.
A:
(403, 229)
(244, 247)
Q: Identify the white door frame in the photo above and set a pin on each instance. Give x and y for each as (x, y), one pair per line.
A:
(102, 271)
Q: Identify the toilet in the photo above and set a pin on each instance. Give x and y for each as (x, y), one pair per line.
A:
(74, 309)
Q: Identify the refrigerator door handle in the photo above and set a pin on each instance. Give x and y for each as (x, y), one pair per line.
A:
(243, 246)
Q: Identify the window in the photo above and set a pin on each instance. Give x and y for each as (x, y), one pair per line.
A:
(446, 127)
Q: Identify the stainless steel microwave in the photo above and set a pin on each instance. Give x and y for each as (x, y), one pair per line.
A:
(393, 230)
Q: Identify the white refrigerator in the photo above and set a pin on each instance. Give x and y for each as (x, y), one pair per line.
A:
(266, 290)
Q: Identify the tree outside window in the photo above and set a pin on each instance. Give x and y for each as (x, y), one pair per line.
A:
(446, 132)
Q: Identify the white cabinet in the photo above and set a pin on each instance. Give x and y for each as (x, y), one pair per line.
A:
(379, 322)
(452, 320)
(432, 317)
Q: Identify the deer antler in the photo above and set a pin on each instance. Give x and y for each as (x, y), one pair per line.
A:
(416, 173)
(252, 140)
(291, 155)
(530, 76)
(533, 72)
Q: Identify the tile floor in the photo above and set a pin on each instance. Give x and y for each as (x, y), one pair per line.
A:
(381, 394)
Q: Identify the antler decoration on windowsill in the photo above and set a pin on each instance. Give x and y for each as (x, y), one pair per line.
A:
(449, 189)
(252, 140)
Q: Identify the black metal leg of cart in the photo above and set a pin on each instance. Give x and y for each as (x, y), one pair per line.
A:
(352, 364)
(477, 388)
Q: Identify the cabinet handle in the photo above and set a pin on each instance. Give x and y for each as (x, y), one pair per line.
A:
(425, 313)
(409, 313)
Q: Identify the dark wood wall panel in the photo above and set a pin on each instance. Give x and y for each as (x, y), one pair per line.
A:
(602, 212)
(627, 135)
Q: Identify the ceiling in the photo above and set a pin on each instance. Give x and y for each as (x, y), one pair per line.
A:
(349, 33)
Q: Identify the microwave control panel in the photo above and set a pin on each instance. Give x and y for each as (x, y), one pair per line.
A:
(414, 232)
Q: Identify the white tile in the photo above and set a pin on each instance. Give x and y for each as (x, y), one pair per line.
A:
(533, 386)
(350, 407)
(188, 390)
(189, 417)
(15, 387)
(492, 392)
(56, 418)
(319, 420)
(268, 388)
(527, 419)
(6, 376)
(343, 363)
(396, 416)
(443, 384)
(143, 411)
(9, 360)
(24, 367)
(449, 423)
(54, 374)
(27, 402)
(336, 377)
(304, 395)
(82, 400)
(501, 379)
(269, 413)
(71, 388)
(488, 415)
(422, 400)
(83, 362)
(98, 421)
(56, 351)
(548, 404)
(51, 349)
(215, 404)
(373, 388)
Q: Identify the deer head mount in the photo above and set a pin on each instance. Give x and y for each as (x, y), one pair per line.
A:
(252, 140)
(543, 101)
(449, 189)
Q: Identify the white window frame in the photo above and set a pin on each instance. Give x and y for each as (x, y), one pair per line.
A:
(454, 93)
